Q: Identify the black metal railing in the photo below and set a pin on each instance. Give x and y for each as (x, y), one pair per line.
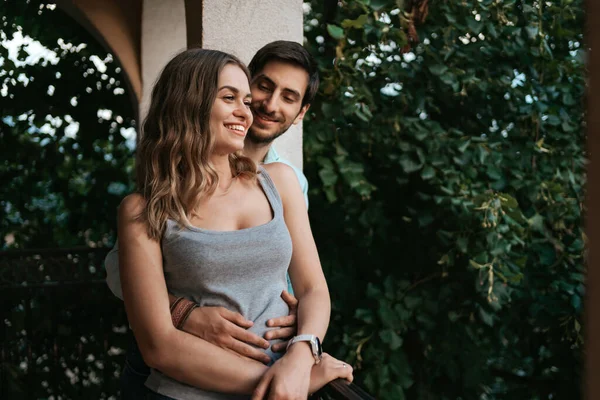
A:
(341, 389)
(64, 334)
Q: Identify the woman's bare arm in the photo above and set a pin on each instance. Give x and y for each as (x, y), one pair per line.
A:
(290, 376)
(175, 353)
(305, 270)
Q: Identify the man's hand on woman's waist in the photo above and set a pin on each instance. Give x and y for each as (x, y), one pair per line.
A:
(229, 330)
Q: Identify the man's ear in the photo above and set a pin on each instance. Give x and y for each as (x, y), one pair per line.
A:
(301, 114)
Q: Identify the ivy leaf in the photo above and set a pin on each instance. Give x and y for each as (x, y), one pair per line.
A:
(428, 172)
(486, 317)
(475, 26)
(328, 176)
(492, 30)
(390, 338)
(438, 69)
(408, 165)
(355, 23)
(364, 315)
(532, 31)
(537, 223)
(335, 31)
(379, 4)
(567, 99)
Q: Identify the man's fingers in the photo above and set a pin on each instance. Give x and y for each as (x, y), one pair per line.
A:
(249, 337)
(261, 389)
(234, 317)
(288, 320)
(249, 351)
(282, 333)
(279, 347)
(289, 298)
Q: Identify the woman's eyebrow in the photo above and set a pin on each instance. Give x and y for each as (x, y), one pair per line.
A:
(234, 90)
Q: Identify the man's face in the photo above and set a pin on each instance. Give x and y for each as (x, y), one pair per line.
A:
(277, 93)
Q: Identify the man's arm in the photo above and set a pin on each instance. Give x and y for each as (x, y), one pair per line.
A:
(111, 264)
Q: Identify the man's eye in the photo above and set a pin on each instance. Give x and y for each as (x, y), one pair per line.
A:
(289, 99)
(263, 87)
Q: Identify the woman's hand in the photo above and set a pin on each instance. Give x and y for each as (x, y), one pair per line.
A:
(279, 386)
(286, 325)
(289, 377)
(327, 370)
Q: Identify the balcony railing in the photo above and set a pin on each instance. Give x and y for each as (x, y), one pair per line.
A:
(63, 332)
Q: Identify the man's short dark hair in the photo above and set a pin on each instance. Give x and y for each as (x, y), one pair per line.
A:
(291, 52)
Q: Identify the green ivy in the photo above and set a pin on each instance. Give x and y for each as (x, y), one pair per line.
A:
(446, 194)
(60, 185)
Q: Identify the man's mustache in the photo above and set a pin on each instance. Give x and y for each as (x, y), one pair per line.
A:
(261, 112)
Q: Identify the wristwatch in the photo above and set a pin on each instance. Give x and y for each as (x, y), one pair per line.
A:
(313, 341)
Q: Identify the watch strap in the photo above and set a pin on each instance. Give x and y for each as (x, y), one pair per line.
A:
(313, 342)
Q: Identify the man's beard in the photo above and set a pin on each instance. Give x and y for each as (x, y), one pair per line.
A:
(257, 139)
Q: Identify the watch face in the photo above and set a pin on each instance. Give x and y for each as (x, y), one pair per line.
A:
(319, 348)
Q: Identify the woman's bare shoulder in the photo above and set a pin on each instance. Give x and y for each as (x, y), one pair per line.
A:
(285, 180)
(279, 171)
(132, 205)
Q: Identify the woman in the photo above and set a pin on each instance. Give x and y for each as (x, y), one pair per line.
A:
(208, 227)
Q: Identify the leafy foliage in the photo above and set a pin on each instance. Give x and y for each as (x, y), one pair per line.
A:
(447, 179)
(66, 162)
(449, 215)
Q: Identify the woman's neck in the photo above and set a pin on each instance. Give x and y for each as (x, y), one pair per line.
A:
(223, 168)
(256, 151)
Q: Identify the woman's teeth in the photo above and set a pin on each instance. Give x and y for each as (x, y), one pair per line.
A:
(236, 127)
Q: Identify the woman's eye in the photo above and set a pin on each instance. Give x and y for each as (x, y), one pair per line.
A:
(247, 103)
(229, 98)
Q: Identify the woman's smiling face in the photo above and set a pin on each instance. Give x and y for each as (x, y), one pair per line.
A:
(230, 116)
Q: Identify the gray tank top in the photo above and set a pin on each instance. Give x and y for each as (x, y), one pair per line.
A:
(243, 271)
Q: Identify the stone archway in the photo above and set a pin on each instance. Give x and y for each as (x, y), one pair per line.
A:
(145, 34)
(116, 24)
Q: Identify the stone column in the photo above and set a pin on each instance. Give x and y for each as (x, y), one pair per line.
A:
(243, 27)
(163, 36)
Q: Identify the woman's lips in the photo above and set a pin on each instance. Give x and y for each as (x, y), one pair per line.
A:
(241, 133)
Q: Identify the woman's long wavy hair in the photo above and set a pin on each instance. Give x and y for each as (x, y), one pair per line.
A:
(173, 170)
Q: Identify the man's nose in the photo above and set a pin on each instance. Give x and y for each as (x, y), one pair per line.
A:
(270, 104)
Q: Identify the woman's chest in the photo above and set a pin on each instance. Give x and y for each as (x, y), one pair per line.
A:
(227, 257)
(243, 208)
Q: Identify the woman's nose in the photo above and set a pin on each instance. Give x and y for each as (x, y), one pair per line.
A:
(243, 111)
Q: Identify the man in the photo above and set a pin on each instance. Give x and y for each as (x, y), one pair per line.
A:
(284, 82)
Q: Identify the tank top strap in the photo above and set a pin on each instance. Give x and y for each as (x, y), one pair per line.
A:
(270, 190)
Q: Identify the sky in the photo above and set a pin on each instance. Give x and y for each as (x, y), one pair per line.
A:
(37, 53)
